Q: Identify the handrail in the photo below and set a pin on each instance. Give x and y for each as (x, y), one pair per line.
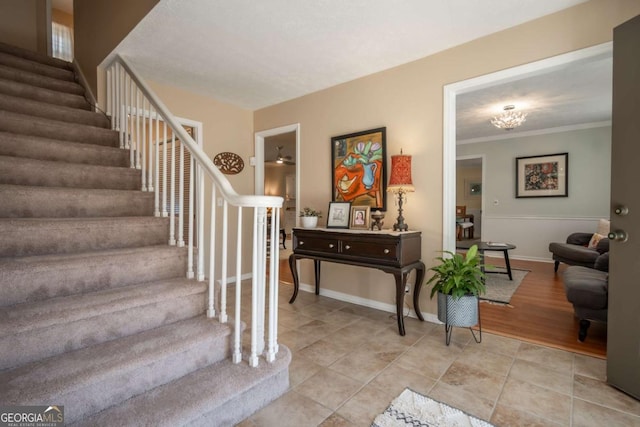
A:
(127, 110)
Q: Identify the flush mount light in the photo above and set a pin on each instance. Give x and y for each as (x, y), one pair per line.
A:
(509, 119)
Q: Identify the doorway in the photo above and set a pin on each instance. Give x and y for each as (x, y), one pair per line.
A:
(277, 162)
(469, 185)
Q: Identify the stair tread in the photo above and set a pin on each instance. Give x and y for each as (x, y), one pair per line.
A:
(38, 67)
(201, 392)
(56, 146)
(40, 380)
(41, 314)
(45, 110)
(35, 56)
(52, 122)
(43, 94)
(38, 80)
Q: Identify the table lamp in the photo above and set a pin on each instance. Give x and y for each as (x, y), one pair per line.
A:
(399, 184)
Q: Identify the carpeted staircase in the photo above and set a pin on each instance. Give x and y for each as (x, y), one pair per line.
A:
(95, 311)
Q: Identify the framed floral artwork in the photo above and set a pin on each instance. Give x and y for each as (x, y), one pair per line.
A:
(358, 168)
(542, 176)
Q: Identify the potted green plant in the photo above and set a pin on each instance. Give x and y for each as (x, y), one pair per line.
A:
(309, 217)
(458, 280)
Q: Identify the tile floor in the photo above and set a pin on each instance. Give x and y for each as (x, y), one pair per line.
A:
(349, 363)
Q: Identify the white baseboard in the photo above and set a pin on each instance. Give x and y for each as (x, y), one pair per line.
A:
(390, 308)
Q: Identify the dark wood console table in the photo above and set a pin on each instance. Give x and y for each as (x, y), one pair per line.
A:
(393, 252)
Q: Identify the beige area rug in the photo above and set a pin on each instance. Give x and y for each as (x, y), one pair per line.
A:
(499, 288)
(414, 409)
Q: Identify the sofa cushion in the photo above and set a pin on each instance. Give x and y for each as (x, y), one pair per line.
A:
(604, 226)
(578, 254)
(586, 287)
(595, 239)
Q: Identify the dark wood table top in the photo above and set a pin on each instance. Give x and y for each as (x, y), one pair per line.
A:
(485, 246)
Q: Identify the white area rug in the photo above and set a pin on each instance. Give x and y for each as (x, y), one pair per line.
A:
(499, 288)
(413, 409)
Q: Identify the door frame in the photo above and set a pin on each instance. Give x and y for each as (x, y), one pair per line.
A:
(259, 158)
(449, 123)
(483, 158)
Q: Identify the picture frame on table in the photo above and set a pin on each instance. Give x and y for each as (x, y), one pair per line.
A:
(358, 168)
(339, 215)
(542, 176)
(360, 217)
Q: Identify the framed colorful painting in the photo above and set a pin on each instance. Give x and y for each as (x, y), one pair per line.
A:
(542, 176)
(358, 168)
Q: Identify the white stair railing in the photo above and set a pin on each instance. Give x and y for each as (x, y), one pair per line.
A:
(146, 127)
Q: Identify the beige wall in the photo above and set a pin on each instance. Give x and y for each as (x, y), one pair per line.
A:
(408, 100)
(99, 26)
(225, 128)
(23, 24)
(62, 17)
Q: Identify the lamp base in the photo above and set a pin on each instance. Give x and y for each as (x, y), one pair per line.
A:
(400, 225)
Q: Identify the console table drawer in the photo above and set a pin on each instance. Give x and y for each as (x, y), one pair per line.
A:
(381, 251)
(311, 244)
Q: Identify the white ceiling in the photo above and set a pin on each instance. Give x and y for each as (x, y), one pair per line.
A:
(254, 54)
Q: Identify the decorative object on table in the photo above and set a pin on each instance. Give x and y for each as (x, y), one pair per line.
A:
(458, 280)
(228, 163)
(509, 119)
(542, 176)
(360, 217)
(377, 220)
(413, 409)
(400, 183)
(309, 217)
(358, 168)
(338, 216)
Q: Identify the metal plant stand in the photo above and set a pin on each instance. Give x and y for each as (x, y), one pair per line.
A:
(448, 329)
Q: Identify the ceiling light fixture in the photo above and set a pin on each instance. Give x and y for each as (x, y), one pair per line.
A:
(509, 119)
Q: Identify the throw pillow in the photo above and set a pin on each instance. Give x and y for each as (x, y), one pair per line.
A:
(593, 243)
(603, 227)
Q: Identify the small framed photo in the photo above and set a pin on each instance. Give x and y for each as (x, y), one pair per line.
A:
(542, 176)
(360, 217)
(338, 216)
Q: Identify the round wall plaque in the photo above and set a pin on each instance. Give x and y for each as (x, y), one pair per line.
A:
(228, 163)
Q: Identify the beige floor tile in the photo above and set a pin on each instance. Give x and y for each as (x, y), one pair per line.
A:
(542, 375)
(292, 409)
(301, 368)
(364, 365)
(316, 310)
(587, 414)
(510, 417)
(603, 394)
(336, 420)
(322, 352)
(339, 317)
(472, 403)
(474, 379)
(591, 367)
(329, 388)
(295, 339)
(318, 328)
(362, 408)
(498, 344)
(395, 379)
(479, 356)
(557, 359)
(431, 365)
(434, 343)
(536, 400)
(292, 319)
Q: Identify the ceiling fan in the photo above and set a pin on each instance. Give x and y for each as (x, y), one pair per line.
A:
(281, 159)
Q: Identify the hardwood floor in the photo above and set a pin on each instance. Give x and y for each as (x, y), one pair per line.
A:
(539, 311)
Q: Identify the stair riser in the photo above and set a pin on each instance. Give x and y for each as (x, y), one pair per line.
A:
(37, 80)
(35, 93)
(27, 125)
(127, 383)
(56, 174)
(43, 202)
(23, 280)
(34, 147)
(36, 67)
(38, 344)
(53, 112)
(47, 237)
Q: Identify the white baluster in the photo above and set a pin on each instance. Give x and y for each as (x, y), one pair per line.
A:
(274, 274)
(109, 89)
(172, 192)
(190, 273)
(211, 312)
(258, 251)
(164, 171)
(138, 141)
(122, 106)
(151, 144)
(116, 90)
(237, 342)
(127, 109)
(181, 198)
(143, 145)
(132, 146)
(200, 222)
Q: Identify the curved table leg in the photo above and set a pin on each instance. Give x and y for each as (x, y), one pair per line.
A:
(401, 279)
(416, 290)
(316, 268)
(294, 274)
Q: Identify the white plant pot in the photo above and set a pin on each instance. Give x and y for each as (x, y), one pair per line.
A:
(461, 312)
(309, 221)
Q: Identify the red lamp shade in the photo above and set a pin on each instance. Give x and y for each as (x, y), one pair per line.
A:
(400, 179)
